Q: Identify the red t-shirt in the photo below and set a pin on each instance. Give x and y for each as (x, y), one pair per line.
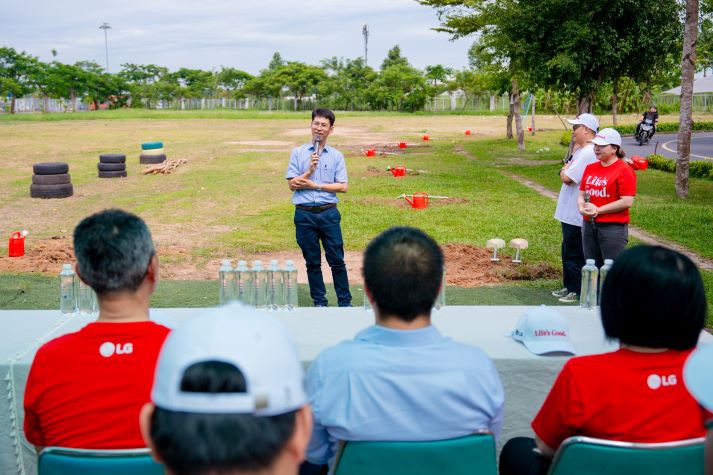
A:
(86, 389)
(625, 396)
(608, 184)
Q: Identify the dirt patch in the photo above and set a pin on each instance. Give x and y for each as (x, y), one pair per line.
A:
(46, 257)
(264, 143)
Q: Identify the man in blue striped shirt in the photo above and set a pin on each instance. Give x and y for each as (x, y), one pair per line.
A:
(400, 379)
(316, 174)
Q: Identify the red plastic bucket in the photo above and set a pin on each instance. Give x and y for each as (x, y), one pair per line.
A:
(370, 152)
(639, 163)
(398, 171)
(425, 138)
(16, 245)
(402, 144)
(419, 201)
(467, 132)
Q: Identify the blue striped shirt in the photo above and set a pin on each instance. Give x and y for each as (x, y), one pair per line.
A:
(331, 169)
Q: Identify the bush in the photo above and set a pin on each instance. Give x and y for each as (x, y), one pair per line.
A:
(666, 127)
(659, 162)
(566, 138)
(696, 169)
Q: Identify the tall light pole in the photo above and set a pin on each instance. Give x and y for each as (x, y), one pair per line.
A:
(105, 26)
(365, 32)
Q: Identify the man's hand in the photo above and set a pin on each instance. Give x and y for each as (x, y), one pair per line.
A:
(314, 161)
(302, 183)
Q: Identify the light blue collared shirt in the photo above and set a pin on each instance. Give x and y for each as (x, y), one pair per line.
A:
(400, 385)
(331, 169)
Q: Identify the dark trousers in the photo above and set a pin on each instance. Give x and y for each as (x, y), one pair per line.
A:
(572, 257)
(311, 228)
(604, 240)
(518, 458)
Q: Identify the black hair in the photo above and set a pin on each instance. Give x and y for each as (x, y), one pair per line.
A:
(113, 250)
(654, 297)
(403, 269)
(619, 151)
(197, 444)
(325, 114)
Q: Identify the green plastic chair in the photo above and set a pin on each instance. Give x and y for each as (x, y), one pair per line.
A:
(469, 455)
(63, 461)
(589, 456)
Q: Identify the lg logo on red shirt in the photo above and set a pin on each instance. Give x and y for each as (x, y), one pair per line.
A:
(655, 381)
(109, 349)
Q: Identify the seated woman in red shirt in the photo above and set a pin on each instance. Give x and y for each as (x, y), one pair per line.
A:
(654, 302)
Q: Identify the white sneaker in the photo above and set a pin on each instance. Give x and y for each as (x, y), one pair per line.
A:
(561, 292)
(571, 297)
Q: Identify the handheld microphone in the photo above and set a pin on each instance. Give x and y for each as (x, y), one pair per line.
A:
(587, 198)
(317, 141)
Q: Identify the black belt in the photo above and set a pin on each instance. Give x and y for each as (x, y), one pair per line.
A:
(316, 209)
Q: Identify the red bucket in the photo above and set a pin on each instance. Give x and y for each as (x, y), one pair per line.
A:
(16, 245)
(402, 144)
(425, 138)
(398, 171)
(639, 163)
(419, 201)
(370, 152)
(467, 132)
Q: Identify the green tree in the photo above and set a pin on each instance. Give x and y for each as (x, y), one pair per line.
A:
(394, 58)
(141, 80)
(348, 81)
(231, 81)
(18, 74)
(398, 87)
(195, 83)
(276, 62)
(300, 79)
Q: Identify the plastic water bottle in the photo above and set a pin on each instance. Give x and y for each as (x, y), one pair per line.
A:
(275, 289)
(226, 280)
(260, 289)
(86, 299)
(67, 298)
(243, 283)
(588, 294)
(441, 297)
(602, 275)
(367, 303)
(289, 284)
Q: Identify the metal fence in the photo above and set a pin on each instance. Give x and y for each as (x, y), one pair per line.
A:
(42, 104)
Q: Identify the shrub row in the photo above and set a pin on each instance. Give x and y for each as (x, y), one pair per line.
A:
(696, 170)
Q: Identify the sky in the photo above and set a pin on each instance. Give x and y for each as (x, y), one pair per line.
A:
(213, 33)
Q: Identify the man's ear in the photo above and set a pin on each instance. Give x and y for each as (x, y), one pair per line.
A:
(152, 273)
(145, 426)
(296, 446)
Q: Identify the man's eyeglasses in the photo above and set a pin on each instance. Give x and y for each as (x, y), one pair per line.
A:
(321, 125)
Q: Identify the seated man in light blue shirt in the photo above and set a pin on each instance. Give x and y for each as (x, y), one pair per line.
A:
(400, 379)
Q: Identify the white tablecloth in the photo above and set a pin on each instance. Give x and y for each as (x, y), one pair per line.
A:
(526, 377)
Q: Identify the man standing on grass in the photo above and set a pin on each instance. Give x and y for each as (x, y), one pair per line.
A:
(316, 174)
(584, 127)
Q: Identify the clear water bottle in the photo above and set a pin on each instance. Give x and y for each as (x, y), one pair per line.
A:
(602, 275)
(260, 285)
(226, 281)
(86, 299)
(275, 288)
(367, 303)
(289, 284)
(67, 297)
(243, 283)
(441, 297)
(588, 294)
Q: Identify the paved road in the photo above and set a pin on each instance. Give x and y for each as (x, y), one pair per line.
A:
(701, 146)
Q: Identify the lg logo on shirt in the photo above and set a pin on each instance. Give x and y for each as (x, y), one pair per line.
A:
(655, 381)
(109, 349)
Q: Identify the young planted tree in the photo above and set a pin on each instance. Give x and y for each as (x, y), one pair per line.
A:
(18, 74)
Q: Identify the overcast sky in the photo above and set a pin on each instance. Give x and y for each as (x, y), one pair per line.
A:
(213, 33)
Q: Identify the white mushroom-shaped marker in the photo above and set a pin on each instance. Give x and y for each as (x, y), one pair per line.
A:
(518, 244)
(495, 244)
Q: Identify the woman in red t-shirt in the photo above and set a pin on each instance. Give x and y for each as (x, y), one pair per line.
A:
(606, 193)
(654, 303)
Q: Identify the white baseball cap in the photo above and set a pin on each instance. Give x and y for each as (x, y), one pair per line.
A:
(587, 120)
(258, 344)
(698, 375)
(544, 330)
(607, 136)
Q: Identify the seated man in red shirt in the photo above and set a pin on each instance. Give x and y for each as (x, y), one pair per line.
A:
(654, 302)
(86, 389)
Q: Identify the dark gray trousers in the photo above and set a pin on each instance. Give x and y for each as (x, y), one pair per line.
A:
(604, 240)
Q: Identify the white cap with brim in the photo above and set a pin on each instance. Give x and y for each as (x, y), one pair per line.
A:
(607, 136)
(698, 375)
(544, 330)
(587, 120)
(257, 343)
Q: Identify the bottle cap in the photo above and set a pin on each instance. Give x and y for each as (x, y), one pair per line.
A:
(609, 261)
(590, 261)
(242, 265)
(226, 265)
(257, 265)
(274, 264)
(289, 265)
(67, 267)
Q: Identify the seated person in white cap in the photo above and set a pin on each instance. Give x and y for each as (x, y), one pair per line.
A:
(400, 379)
(228, 397)
(654, 303)
(698, 375)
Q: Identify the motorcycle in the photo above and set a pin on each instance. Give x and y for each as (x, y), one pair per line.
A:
(646, 131)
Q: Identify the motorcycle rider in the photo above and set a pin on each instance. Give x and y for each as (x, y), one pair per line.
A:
(652, 115)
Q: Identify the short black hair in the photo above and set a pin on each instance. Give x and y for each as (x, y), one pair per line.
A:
(113, 250)
(197, 444)
(403, 269)
(325, 114)
(654, 297)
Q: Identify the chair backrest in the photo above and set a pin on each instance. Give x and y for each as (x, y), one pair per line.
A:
(589, 456)
(63, 461)
(471, 455)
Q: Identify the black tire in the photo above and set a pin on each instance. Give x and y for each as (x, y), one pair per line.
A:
(112, 158)
(112, 174)
(50, 168)
(64, 190)
(60, 179)
(151, 159)
(111, 167)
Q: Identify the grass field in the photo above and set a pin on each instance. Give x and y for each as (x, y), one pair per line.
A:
(231, 200)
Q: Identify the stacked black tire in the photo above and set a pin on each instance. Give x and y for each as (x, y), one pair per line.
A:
(112, 165)
(51, 180)
(152, 153)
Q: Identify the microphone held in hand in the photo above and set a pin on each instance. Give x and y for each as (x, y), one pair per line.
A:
(587, 199)
(317, 142)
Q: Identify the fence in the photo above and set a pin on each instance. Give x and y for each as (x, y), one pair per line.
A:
(41, 104)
